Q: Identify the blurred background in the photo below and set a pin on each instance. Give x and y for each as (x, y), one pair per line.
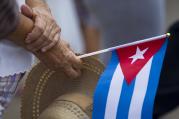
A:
(90, 25)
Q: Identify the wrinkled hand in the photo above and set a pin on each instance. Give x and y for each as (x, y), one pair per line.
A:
(62, 57)
(59, 54)
(45, 33)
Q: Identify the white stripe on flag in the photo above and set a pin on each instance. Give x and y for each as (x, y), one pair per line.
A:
(139, 93)
(114, 94)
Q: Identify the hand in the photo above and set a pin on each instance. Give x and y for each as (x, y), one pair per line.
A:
(62, 57)
(44, 34)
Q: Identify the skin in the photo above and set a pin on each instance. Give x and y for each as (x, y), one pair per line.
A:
(42, 37)
(59, 56)
(45, 32)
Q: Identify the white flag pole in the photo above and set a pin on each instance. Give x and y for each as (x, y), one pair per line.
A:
(125, 45)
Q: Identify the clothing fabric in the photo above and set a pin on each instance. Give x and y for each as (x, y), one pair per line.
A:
(8, 86)
(168, 91)
(8, 17)
(13, 58)
(124, 21)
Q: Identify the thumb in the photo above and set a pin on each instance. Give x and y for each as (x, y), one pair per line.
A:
(27, 11)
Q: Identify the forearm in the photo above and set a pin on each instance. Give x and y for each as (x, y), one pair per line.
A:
(59, 56)
(36, 3)
(24, 26)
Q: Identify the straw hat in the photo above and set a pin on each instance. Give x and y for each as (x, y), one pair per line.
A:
(52, 95)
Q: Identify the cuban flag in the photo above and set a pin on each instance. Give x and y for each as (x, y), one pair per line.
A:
(127, 88)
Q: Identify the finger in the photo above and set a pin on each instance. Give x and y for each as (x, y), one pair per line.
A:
(70, 72)
(44, 40)
(46, 33)
(37, 45)
(49, 46)
(78, 71)
(37, 31)
(27, 11)
(55, 29)
(74, 60)
(48, 29)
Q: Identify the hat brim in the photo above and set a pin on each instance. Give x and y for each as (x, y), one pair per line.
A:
(43, 86)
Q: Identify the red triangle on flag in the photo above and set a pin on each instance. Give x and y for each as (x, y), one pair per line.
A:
(133, 58)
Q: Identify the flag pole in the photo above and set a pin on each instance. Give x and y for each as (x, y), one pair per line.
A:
(125, 45)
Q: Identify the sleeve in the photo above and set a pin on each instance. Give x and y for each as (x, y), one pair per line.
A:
(9, 17)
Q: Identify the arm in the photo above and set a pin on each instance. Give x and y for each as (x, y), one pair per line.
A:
(60, 56)
(25, 25)
(45, 31)
(19, 26)
(36, 3)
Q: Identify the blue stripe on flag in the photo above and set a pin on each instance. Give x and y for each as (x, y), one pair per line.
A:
(157, 62)
(101, 93)
(125, 100)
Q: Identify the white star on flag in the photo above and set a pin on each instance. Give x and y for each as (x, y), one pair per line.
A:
(139, 55)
